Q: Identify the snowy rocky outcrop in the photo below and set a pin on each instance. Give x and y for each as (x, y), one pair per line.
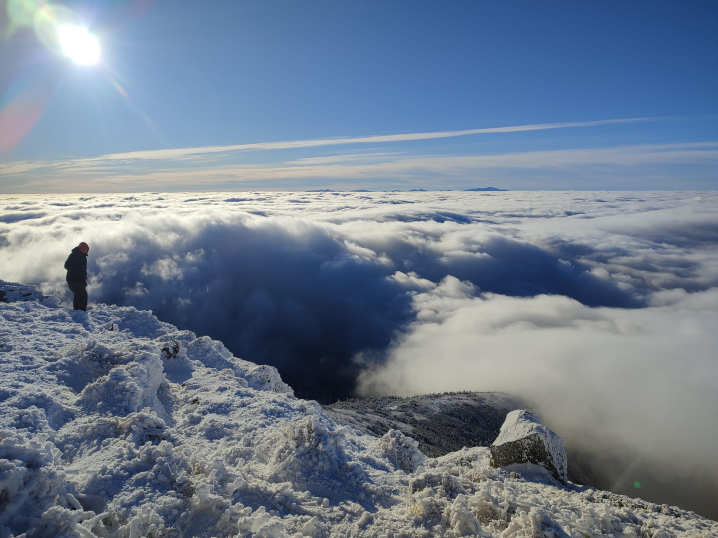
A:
(12, 292)
(114, 424)
(441, 423)
(523, 439)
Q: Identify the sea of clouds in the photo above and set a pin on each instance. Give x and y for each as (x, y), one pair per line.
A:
(600, 309)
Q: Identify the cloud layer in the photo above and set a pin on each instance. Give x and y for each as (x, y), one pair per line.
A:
(598, 308)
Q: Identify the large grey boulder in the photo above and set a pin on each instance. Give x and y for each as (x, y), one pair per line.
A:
(523, 439)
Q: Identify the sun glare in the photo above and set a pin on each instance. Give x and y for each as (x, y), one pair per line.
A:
(79, 45)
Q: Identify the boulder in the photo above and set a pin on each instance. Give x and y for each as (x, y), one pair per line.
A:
(523, 439)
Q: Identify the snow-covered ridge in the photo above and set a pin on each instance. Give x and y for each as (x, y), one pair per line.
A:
(441, 423)
(114, 424)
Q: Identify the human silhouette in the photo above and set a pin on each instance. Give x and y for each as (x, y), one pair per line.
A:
(76, 266)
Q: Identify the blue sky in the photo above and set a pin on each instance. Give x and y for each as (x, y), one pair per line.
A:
(238, 78)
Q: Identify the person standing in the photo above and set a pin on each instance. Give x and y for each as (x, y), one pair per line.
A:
(76, 266)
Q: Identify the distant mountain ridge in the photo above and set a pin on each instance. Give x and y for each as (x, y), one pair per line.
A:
(477, 189)
(485, 189)
(441, 423)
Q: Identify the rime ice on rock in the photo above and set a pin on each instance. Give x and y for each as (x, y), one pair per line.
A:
(523, 439)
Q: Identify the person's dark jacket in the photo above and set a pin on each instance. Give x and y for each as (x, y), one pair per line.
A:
(76, 266)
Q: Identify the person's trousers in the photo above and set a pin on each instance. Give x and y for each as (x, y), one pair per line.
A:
(79, 289)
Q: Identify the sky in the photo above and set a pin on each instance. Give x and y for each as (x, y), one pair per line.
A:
(360, 95)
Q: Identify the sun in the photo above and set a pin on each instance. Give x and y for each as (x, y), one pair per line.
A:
(79, 45)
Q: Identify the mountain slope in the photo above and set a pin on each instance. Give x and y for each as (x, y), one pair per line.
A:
(441, 423)
(114, 424)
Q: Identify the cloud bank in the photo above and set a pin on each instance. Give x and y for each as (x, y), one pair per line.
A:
(599, 308)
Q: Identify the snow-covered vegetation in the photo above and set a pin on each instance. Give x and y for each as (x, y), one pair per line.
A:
(114, 424)
(440, 423)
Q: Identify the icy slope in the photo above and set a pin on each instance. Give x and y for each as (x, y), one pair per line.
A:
(115, 424)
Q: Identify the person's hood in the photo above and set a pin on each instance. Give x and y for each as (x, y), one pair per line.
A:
(77, 249)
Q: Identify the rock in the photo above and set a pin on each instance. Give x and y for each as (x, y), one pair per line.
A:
(171, 350)
(523, 439)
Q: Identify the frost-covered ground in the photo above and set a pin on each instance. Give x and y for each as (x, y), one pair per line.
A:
(116, 424)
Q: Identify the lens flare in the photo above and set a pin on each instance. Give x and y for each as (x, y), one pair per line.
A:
(79, 45)
(22, 12)
(62, 31)
(18, 118)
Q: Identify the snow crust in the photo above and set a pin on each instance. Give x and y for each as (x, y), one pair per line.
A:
(114, 424)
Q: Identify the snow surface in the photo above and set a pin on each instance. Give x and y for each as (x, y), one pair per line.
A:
(114, 424)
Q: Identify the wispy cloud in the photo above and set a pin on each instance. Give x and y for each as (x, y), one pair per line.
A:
(353, 157)
(20, 167)
(647, 161)
(232, 167)
(112, 163)
(202, 153)
(376, 139)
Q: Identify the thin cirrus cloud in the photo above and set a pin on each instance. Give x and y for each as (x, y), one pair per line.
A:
(222, 167)
(637, 164)
(376, 139)
(198, 152)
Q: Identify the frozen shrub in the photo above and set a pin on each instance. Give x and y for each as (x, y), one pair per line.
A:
(311, 442)
(31, 484)
(261, 525)
(441, 482)
(265, 377)
(126, 388)
(116, 393)
(403, 451)
(142, 427)
(458, 517)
